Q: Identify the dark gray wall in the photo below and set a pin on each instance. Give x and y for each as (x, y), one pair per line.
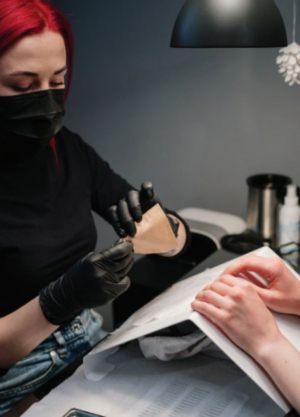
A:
(194, 122)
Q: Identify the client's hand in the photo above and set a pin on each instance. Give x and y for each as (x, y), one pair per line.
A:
(95, 280)
(131, 209)
(233, 305)
(283, 291)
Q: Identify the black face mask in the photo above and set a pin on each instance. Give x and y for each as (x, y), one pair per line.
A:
(27, 123)
(35, 116)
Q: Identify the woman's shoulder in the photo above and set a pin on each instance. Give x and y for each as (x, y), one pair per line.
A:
(67, 137)
(75, 148)
(69, 141)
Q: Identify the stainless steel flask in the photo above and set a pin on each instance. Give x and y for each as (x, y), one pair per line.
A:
(266, 192)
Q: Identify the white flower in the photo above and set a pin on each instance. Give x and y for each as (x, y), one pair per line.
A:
(289, 63)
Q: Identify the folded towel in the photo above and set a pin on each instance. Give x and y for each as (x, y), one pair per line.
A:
(167, 348)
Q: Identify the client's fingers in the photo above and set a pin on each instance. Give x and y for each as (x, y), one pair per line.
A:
(211, 297)
(208, 310)
(218, 287)
(253, 263)
(233, 281)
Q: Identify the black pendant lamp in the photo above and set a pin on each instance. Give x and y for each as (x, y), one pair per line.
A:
(229, 24)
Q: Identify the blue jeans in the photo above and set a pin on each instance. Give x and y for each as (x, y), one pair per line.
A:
(49, 358)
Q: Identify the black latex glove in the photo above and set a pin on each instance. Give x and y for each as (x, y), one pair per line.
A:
(123, 215)
(93, 281)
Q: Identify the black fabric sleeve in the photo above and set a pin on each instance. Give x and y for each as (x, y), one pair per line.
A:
(107, 187)
(3, 372)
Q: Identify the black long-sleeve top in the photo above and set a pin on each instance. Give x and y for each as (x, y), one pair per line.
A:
(46, 224)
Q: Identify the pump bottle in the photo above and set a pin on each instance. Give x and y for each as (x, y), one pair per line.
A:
(289, 225)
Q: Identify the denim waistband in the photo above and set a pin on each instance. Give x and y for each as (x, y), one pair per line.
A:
(52, 356)
(75, 329)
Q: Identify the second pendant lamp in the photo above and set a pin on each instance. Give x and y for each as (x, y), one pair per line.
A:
(229, 24)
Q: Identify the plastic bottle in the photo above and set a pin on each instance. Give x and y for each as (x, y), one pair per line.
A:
(289, 225)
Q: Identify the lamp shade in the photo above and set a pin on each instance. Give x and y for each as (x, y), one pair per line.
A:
(229, 24)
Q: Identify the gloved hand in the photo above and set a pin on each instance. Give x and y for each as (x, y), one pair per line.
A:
(95, 280)
(131, 209)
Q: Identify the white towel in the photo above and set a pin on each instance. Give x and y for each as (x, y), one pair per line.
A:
(167, 348)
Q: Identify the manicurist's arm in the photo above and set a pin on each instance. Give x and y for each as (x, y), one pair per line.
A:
(181, 237)
(21, 331)
(95, 280)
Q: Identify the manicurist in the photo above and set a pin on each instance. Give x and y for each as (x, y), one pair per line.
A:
(50, 182)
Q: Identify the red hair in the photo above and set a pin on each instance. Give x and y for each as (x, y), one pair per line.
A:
(20, 18)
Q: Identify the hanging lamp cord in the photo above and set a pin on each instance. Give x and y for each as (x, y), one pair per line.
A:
(294, 20)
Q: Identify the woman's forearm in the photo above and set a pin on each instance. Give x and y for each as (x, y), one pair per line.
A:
(21, 331)
(181, 239)
(281, 360)
(235, 307)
